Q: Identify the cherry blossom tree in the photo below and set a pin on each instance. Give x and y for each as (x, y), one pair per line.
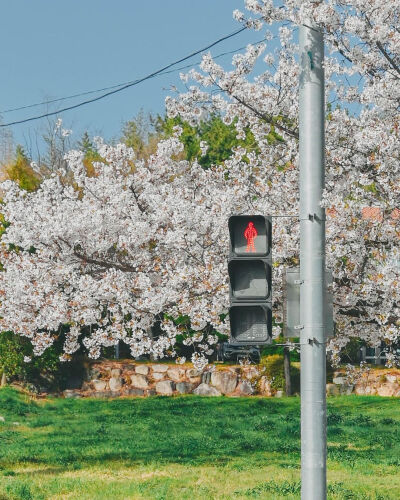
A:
(362, 69)
(141, 240)
(109, 253)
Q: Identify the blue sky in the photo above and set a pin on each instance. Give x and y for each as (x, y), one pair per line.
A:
(53, 49)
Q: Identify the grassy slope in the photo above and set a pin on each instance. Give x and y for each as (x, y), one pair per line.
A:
(191, 448)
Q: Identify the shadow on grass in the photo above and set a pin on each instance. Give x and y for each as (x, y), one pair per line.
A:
(190, 430)
(43, 471)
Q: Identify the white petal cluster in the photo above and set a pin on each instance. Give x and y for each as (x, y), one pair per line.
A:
(362, 68)
(111, 253)
(140, 241)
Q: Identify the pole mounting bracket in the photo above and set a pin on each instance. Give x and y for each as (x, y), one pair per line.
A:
(315, 217)
(314, 341)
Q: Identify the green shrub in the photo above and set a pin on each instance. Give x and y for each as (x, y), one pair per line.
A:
(46, 372)
(277, 348)
(11, 354)
(273, 368)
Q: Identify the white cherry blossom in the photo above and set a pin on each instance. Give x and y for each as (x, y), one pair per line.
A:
(116, 251)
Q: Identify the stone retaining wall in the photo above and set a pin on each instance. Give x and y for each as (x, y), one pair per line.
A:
(128, 378)
(368, 383)
(115, 379)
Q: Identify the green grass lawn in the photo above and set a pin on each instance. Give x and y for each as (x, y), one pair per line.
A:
(191, 448)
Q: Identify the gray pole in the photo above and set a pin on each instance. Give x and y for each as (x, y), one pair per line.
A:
(312, 265)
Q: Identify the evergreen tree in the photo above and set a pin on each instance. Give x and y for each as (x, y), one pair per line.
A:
(217, 137)
(85, 144)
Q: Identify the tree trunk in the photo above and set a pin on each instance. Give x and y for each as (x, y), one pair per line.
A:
(151, 337)
(3, 380)
(286, 368)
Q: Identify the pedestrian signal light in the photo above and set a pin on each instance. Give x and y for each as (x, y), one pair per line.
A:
(250, 276)
(250, 323)
(249, 234)
(249, 279)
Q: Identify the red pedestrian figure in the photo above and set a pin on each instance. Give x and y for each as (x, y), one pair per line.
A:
(250, 234)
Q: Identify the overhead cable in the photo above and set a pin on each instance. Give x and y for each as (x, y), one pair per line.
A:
(117, 85)
(130, 84)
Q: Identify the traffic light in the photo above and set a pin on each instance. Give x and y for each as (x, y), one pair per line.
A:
(250, 277)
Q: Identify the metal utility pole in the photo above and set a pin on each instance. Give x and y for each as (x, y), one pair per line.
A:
(312, 265)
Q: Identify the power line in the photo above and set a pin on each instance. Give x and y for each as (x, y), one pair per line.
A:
(130, 84)
(62, 98)
(88, 92)
(214, 57)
